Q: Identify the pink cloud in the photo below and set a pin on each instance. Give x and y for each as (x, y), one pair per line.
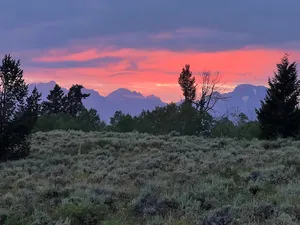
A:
(158, 70)
(201, 33)
(162, 36)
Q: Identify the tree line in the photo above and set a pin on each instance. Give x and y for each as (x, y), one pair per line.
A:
(22, 113)
(66, 112)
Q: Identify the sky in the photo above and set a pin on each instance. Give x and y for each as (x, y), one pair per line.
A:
(142, 45)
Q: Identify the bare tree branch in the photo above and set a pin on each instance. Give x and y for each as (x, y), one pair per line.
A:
(211, 91)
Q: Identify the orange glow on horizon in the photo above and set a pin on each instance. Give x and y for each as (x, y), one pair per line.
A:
(156, 71)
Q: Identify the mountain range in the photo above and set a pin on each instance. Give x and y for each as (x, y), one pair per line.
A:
(244, 98)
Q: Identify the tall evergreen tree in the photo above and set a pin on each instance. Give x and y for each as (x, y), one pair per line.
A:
(187, 84)
(74, 100)
(55, 101)
(279, 115)
(32, 108)
(14, 111)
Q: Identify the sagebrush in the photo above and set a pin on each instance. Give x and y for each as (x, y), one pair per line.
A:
(113, 178)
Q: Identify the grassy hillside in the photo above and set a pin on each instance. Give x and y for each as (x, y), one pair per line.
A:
(114, 179)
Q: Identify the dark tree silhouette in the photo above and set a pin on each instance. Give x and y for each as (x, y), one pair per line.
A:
(210, 92)
(91, 119)
(55, 101)
(187, 84)
(74, 100)
(208, 89)
(279, 115)
(17, 114)
(32, 108)
(122, 122)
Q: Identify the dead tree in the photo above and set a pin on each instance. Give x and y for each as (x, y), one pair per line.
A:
(210, 91)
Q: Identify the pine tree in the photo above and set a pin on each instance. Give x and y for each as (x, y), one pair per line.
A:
(14, 111)
(55, 101)
(187, 83)
(32, 108)
(279, 115)
(74, 100)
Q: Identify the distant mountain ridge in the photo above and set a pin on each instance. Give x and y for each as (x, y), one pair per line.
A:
(244, 98)
(127, 101)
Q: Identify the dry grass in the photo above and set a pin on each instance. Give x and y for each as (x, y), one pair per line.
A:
(114, 179)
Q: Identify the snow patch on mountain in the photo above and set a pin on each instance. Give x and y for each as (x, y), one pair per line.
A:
(245, 99)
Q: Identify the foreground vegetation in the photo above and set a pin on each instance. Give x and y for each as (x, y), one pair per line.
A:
(130, 178)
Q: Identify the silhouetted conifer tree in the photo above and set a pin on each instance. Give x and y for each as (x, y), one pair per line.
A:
(32, 108)
(187, 84)
(279, 115)
(55, 103)
(74, 100)
(17, 112)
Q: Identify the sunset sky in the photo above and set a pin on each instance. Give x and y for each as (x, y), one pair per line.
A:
(142, 45)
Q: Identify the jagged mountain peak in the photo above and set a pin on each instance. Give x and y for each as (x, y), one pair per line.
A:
(125, 93)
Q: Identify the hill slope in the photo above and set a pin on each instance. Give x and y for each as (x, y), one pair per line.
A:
(111, 178)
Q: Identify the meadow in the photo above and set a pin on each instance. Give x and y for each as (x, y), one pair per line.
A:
(131, 178)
